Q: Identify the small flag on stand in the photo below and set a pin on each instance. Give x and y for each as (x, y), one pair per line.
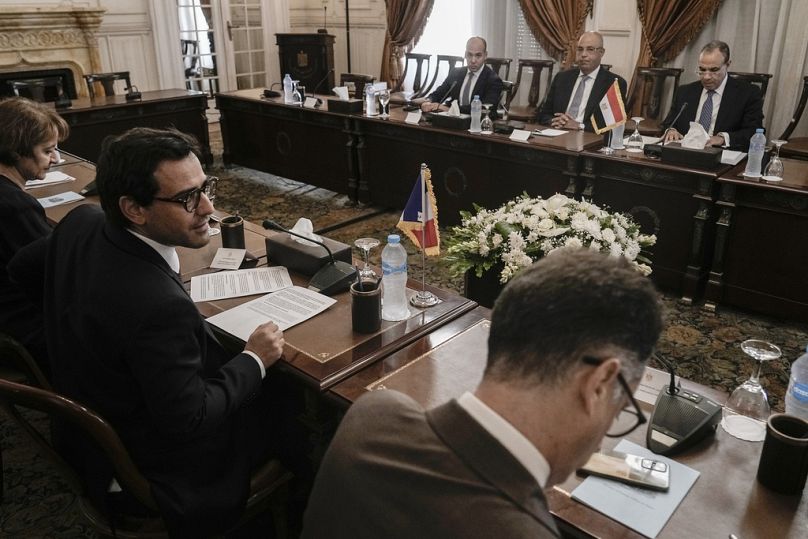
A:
(419, 220)
(610, 111)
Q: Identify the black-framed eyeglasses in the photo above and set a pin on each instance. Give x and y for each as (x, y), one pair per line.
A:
(590, 50)
(704, 71)
(190, 199)
(629, 417)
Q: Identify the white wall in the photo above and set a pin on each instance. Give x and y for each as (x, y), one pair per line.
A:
(126, 41)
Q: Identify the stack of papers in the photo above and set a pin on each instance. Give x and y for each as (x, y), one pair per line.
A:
(51, 178)
(234, 284)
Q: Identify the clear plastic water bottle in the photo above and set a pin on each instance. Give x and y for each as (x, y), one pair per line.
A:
(757, 145)
(394, 282)
(370, 101)
(287, 88)
(476, 113)
(797, 393)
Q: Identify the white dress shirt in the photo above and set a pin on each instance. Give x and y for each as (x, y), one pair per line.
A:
(719, 92)
(587, 91)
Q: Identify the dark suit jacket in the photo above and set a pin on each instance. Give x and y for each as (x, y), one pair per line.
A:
(488, 87)
(740, 113)
(393, 470)
(558, 97)
(128, 342)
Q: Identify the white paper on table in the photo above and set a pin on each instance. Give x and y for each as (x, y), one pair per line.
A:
(62, 198)
(520, 135)
(731, 157)
(51, 178)
(379, 86)
(644, 511)
(310, 103)
(341, 91)
(233, 284)
(413, 117)
(286, 308)
(228, 259)
(549, 132)
(645, 140)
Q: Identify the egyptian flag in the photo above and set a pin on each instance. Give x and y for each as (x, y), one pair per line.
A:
(610, 112)
(419, 220)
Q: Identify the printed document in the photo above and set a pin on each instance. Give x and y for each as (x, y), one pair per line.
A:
(233, 284)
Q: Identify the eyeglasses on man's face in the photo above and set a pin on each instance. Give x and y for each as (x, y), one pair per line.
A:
(709, 71)
(629, 417)
(588, 50)
(190, 199)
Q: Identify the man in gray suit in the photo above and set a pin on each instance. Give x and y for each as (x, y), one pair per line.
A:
(568, 342)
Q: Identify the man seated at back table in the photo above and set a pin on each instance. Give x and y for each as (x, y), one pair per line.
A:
(568, 342)
(575, 93)
(729, 110)
(127, 341)
(463, 83)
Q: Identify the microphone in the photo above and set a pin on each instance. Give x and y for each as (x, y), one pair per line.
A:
(316, 86)
(449, 91)
(681, 418)
(675, 119)
(335, 276)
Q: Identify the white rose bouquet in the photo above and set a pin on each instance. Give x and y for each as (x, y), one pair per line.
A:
(525, 229)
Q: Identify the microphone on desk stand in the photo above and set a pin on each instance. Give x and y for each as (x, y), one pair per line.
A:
(445, 96)
(316, 86)
(655, 150)
(681, 418)
(335, 276)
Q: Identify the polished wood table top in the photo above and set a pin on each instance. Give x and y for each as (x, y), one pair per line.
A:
(795, 177)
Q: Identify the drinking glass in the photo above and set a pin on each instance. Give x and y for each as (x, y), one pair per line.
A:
(774, 170)
(366, 244)
(486, 125)
(747, 409)
(384, 99)
(635, 143)
(296, 98)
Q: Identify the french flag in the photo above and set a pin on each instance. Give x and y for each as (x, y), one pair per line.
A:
(419, 220)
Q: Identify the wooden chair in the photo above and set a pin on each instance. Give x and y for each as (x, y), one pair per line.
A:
(796, 147)
(266, 484)
(419, 78)
(497, 64)
(44, 89)
(761, 80)
(106, 81)
(450, 60)
(357, 81)
(649, 96)
(538, 68)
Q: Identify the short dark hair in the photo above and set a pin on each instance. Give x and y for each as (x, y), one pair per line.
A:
(572, 303)
(717, 45)
(127, 164)
(27, 124)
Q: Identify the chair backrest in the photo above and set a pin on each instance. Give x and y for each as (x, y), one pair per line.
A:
(761, 80)
(505, 95)
(17, 365)
(421, 73)
(16, 397)
(358, 81)
(40, 89)
(649, 92)
(190, 52)
(795, 118)
(497, 64)
(450, 60)
(538, 68)
(106, 81)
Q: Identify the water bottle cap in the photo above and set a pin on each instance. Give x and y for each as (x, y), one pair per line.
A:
(759, 130)
(393, 238)
(476, 97)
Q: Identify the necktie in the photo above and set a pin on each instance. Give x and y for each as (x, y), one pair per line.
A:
(706, 117)
(578, 97)
(467, 90)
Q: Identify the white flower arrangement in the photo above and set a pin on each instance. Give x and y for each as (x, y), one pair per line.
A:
(525, 229)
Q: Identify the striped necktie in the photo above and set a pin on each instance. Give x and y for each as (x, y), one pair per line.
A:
(467, 90)
(578, 97)
(706, 117)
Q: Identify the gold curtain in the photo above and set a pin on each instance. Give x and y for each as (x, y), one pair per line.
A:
(556, 25)
(406, 20)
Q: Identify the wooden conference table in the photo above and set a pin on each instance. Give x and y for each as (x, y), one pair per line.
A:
(725, 499)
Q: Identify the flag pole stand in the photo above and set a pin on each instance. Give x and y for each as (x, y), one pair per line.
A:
(423, 298)
(608, 150)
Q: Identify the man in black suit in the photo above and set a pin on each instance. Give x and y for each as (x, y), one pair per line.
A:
(569, 337)
(127, 340)
(729, 110)
(463, 83)
(575, 93)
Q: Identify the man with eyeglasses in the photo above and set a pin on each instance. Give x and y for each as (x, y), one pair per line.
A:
(569, 339)
(575, 93)
(127, 340)
(728, 109)
(463, 83)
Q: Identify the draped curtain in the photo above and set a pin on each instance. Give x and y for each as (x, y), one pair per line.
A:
(557, 24)
(406, 20)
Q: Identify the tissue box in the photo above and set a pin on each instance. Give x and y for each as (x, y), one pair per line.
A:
(706, 159)
(451, 122)
(352, 106)
(282, 250)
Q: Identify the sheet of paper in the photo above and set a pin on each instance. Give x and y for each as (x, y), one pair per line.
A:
(62, 198)
(228, 259)
(549, 132)
(233, 284)
(341, 91)
(310, 103)
(730, 157)
(520, 135)
(379, 86)
(413, 117)
(645, 140)
(644, 511)
(51, 178)
(286, 308)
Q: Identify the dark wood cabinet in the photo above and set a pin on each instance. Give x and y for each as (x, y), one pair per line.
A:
(308, 58)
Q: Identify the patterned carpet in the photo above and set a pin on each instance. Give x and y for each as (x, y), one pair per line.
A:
(704, 346)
